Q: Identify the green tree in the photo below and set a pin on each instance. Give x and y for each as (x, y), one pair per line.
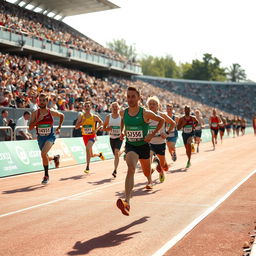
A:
(123, 48)
(208, 69)
(160, 66)
(236, 73)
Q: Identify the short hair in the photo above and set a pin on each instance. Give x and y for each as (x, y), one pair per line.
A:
(115, 103)
(4, 111)
(26, 113)
(153, 98)
(170, 105)
(43, 95)
(132, 88)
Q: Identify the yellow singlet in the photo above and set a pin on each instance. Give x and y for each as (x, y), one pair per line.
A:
(88, 125)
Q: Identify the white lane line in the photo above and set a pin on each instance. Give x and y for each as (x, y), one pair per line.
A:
(88, 192)
(53, 169)
(196, 221)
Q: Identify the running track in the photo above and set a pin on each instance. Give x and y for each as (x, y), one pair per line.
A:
(76, 214)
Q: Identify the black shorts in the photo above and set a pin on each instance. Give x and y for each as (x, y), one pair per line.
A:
(142, 151)
(222, 129)
(242, 127)
(215, 131)
(198, 133)
(186, 136)
(238, 127)
(158, 149)
(115, 144)
(228, 126)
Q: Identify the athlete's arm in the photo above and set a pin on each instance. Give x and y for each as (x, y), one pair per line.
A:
(168, 120)
(220, 121)
(56, 113)
(195, 121)
(100, 122)
(105, 125)
(33, 121)
(122, 135)
(181, 123)
(210, 122)
(79, 122)
(147, 114)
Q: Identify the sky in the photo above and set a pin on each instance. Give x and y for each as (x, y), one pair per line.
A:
(184, 29)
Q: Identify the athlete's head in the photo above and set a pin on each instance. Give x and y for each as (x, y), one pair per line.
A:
(169, 109)
(87, 106)
(214, 112)
(198, 113)
(133, 96)
(153, 103)
(43, 100)
(115, 107)
(187, 110)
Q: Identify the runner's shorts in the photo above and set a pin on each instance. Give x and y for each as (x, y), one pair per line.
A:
(186, 136)
(43, 139)
(142, 151)
(115, 144)
(158, 149)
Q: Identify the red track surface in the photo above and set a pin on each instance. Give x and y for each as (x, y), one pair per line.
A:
(76, 214)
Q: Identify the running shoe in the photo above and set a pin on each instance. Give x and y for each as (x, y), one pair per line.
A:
(188, 164)
(56, 160)
(101, 156)
(45, 180)
(158, 166)
(114, 173)
(161, 177)
(123, 206)
(192, 148)
(149, 187)
(174, 156)
(87, 170)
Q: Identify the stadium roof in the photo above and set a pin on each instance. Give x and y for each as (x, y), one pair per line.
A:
(67, 7)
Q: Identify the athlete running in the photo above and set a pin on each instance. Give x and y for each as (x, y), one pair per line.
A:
(228, 125)
(243, 125)
(112, 124)
(89, 124)
(234, 126)
(135, 121)
(157, 143)
(238, 125)
(172, 133)
(222, 126)
(254, 124)
(42, 119)
(198, 128)
(214, 122)
(187, 123)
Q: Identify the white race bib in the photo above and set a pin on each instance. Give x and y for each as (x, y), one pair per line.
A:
(44, 129)
(187, 129)
(87, 129)
(136, 135)
(116, 131)
(214, 124)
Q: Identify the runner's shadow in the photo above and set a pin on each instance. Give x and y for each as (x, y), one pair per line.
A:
(178, 170)
(110, 239)
(209, 150)
(77, 177)
(100, 182)
(25, 189)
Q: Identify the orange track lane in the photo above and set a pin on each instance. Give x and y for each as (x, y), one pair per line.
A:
(76, 214)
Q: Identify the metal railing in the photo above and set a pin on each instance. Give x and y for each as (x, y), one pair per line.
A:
(7, 128)
(13, 134)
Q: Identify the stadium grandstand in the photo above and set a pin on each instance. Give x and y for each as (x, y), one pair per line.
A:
(40, 53)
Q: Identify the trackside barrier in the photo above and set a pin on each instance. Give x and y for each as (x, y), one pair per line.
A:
(17, 157)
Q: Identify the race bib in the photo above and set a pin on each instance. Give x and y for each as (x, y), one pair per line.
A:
(87, 129)
(198, 128)
(134, 134)
(151, 129)
(214, 124)
(116, 131)
(44, 129)
(187, 129)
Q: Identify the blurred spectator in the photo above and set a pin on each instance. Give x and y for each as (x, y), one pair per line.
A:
(22, 133)
(4, 136)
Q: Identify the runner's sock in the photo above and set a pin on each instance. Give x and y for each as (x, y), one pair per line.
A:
(46, 167)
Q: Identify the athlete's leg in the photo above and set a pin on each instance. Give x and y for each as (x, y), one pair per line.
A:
(146, 168)
(171, 148)
(213, 135)
(45, 158)
(131, 160)
(89, 152)
(116, 161)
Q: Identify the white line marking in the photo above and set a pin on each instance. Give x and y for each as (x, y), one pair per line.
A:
(88, 192)
(196, 221)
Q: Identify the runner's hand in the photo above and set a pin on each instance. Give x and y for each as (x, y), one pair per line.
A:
(164, 135)
(148, 138)
(57, 131)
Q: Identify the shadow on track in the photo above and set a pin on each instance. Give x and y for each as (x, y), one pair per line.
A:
(110, 239)
(25, 189)
(77, 177)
